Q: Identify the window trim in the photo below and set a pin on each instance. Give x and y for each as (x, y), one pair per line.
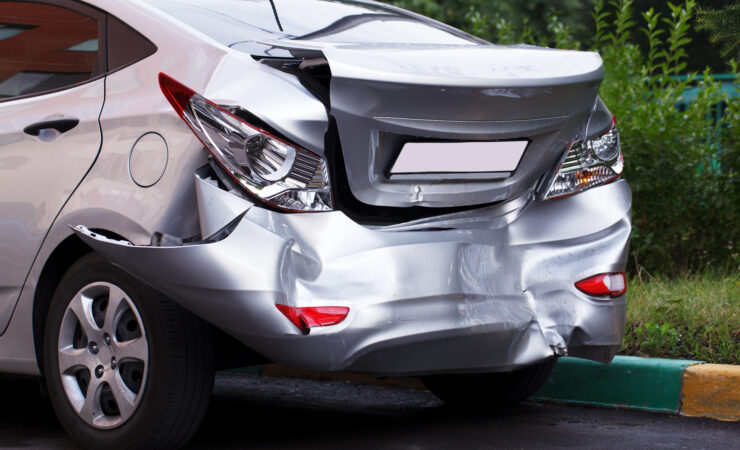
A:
(100, 69)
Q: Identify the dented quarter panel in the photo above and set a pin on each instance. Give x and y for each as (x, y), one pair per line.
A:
(108, 198)
(287, 106)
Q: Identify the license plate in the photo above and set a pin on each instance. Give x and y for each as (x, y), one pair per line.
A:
(459, 157)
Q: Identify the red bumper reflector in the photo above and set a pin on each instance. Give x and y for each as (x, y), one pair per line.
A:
(613, 284)
(313, 316)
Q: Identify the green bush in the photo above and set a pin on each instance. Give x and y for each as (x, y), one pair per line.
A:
(682, 164)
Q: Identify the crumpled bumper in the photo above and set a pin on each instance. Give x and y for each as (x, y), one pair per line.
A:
(485, 290)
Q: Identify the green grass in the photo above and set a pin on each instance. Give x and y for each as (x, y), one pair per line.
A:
(690, 317)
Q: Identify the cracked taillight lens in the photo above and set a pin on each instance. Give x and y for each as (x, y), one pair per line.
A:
(276, 172)
(588, 163)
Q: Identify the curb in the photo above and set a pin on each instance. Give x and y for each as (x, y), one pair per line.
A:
(649, 384)
(711, 390)
(688, 388)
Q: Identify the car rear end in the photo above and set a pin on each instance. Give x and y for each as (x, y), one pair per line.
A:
(436, 208)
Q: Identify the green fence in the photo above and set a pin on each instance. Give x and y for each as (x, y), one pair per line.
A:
(730, 87)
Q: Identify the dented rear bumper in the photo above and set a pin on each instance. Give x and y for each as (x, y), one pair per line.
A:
(485, 290)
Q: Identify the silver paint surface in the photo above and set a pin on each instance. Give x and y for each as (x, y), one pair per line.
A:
(38, 176)
(148, 159)
(485, 289)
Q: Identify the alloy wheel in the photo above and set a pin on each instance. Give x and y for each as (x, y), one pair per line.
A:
(103, 355)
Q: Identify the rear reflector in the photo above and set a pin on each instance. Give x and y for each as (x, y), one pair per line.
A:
(315, 316)
(612, 284)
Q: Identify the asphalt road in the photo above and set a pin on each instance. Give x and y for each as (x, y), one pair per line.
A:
(264, 413)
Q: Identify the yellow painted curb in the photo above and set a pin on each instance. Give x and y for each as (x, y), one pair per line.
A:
(711, 390)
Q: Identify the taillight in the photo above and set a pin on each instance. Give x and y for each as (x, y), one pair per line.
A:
(274, 171)
(313, 316)
(588, 163)
(611, 284)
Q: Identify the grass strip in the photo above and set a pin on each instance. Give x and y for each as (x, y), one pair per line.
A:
(691, 317)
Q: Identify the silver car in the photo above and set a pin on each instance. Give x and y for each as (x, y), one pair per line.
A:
(341, 185)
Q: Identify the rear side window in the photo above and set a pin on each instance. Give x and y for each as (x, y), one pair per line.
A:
(125, 45)
(45, 47)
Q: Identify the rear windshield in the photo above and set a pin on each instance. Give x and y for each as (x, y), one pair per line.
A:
(340, 21)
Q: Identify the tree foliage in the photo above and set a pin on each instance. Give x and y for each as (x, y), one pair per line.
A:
(683, 164)
(724, 28)
(541, 21)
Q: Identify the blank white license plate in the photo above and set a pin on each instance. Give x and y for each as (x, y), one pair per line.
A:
(459, 157)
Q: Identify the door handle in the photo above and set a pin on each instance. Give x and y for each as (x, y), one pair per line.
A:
(59, 125)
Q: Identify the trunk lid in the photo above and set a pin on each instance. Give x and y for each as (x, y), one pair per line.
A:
(385, 96)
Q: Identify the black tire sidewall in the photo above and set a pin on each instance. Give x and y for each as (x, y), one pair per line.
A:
(90, 269)
(490, 391)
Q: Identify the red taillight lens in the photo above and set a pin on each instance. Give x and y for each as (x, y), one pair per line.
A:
(612, 284)
(314, 316)
(273, 170)
(178, 95)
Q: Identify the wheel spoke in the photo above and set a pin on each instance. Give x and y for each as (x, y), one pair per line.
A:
(116, 304)
(136, 349)
(91, 408)
(125, 399)
(70, 358)
(81, 306)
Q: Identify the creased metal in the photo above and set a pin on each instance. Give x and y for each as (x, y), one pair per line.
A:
(216, 210)
(492, 292)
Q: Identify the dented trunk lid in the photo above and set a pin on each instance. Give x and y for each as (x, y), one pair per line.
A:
(384, 96)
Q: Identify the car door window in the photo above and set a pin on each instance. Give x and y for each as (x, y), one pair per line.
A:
(45, 47)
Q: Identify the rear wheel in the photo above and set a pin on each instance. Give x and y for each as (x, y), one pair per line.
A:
(490, 390)
(125, 367)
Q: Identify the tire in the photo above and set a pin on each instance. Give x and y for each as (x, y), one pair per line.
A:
(139, 375)
(490, 390)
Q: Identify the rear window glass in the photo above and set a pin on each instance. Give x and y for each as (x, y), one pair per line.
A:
(341, 21)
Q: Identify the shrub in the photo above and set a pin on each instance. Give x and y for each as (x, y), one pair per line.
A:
(682, 164)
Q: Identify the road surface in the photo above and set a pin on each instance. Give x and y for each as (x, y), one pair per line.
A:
(263, 413)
